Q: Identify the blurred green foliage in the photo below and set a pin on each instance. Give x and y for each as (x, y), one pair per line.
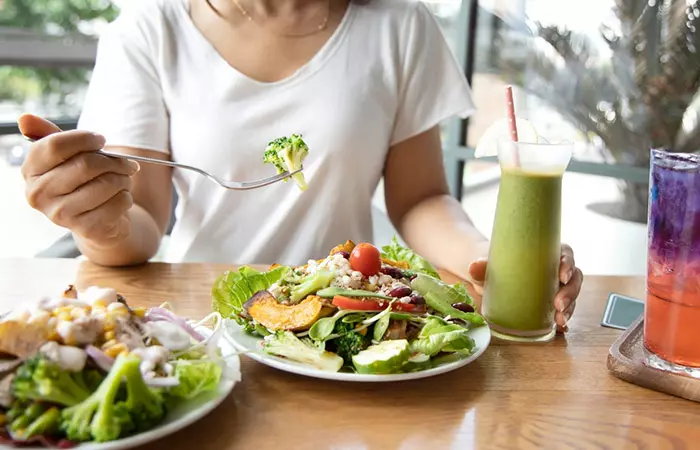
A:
(52, 17)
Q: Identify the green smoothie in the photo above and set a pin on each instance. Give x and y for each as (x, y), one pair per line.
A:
(523, 265)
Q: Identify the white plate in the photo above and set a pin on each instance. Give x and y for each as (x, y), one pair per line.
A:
(185, 413)
(252, 347)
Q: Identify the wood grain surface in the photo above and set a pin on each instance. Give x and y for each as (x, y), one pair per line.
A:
(558, 395)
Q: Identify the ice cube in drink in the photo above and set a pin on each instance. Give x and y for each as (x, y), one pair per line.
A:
(672, 311)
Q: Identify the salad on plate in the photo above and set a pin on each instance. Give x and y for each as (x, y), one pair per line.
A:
(361, 309)
(88, 367)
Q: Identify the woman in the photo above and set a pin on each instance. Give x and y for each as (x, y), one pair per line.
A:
(209, 83)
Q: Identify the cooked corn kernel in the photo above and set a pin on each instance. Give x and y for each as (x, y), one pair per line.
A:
(54, 336)
(116, 350)
(61, 310)
(65, 315)
(78, 313)
(139, 311)
(109, 343)
(109, 324)
(99, 304)
(109, 335)
(117, 310)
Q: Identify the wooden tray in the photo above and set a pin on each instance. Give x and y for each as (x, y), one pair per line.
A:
(625, 362)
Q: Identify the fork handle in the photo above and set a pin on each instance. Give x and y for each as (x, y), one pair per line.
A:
(161, 162)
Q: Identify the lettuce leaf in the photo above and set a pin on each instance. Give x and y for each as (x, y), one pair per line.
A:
(195, 377)
(437, 337)
(464, 296)
(441, 296)
(232, 289)
(417, 263)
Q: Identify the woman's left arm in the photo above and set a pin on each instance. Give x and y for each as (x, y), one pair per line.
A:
(435, 225)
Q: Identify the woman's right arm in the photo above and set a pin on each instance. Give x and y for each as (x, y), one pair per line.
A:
(117, 212)
(151, 190)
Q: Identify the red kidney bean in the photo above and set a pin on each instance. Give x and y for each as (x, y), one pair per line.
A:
(392, 272)
(464, 307)
(417, 299)
(400, 291)
(345, 254)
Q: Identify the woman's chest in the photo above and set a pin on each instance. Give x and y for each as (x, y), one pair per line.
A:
(222, 121)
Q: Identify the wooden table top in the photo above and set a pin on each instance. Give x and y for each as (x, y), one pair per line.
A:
(557, 395)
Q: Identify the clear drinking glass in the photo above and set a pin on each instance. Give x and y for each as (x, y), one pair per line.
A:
(672, 310)
(522, 275)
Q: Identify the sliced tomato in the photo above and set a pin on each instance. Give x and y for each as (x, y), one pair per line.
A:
(408, 307)
(364, 304)
(358, 304)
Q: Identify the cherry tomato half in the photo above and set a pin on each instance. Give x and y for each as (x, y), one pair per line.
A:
(365, 258)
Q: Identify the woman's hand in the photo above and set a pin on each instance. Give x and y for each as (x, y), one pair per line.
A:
(570, 278)
(74, 186)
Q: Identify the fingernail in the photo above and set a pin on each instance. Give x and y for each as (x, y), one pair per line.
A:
(135, 166)
(567, 317)
(100, 139)
(568, 276)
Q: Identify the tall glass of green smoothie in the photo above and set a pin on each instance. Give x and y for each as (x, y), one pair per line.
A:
(523, 264)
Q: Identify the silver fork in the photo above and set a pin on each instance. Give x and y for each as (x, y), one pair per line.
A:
(228, 184)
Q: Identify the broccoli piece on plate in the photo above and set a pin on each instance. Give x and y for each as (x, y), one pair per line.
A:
(349, 343)
(310, 284)
(287, 155)
(104, 416)
(39, 379)
(287, 345)
(34, 419)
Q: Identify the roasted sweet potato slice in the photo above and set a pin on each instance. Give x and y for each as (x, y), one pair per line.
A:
(349, 246)
(271, 314)
(397, 264)
(21, 339)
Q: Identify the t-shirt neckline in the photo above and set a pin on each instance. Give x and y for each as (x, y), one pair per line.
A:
(306, 70)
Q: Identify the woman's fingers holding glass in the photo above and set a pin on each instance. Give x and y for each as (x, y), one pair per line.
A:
(567, 264)
(477, 270)
(562, 317)
(565, 300)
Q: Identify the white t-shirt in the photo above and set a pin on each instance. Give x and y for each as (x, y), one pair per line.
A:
(385, 75)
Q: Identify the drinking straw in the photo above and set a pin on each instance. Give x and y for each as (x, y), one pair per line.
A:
(510, 111)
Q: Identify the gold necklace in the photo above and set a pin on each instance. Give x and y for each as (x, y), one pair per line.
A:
(319, 28)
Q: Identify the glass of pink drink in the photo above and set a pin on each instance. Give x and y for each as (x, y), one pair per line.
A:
(672, 310)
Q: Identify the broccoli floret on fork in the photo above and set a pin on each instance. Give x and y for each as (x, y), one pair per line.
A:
(287, 155)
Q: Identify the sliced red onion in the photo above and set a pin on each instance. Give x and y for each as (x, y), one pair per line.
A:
(162, 382)
(156, 314)
(103, 361)
(43, 441)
